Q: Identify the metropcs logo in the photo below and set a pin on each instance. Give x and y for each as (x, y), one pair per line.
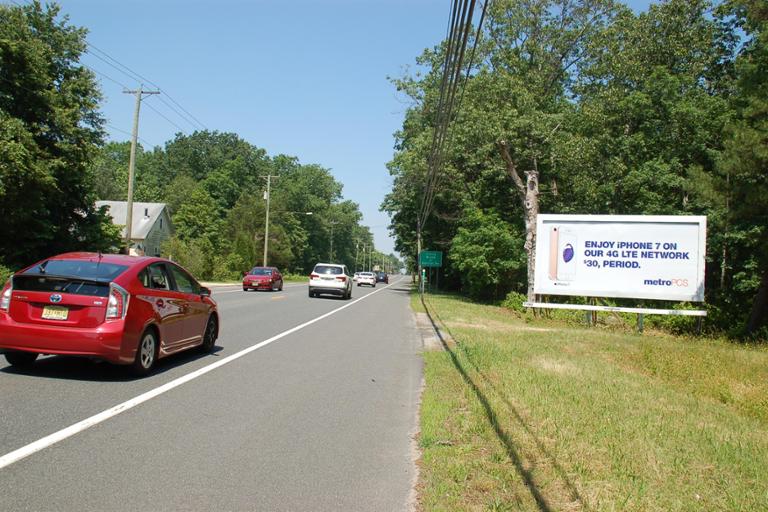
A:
(666, 282)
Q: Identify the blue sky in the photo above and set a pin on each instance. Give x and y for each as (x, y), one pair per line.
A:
(298, 77)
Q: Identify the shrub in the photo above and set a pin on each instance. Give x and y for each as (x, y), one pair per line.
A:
(514, 301)
(5, 273)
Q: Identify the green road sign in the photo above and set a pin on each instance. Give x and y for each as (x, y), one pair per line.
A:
(431, 259)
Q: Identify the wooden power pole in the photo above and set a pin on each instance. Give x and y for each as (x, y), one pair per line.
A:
(132, 165)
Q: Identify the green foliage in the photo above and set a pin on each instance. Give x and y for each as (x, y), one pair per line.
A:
(486, 254)
(5, 273)
(514, 301)
(229, 268)
(661, 112)
(213, 184)
(49, 130)
(196, 255)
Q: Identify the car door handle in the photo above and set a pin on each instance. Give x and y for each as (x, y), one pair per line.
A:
(160, 303)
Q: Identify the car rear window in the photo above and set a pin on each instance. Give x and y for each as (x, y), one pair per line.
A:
(69, 276)
(78, 268)
(328, 269)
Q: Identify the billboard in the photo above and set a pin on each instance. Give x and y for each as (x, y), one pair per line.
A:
(638, 256)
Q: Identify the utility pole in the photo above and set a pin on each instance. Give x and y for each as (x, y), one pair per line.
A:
(420, 281)
(357, 246)
(266, 220)
(132, 165)
(332, 223)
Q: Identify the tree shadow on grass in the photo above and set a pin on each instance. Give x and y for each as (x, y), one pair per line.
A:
(501, 433)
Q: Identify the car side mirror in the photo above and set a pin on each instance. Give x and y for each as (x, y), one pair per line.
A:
(205, 292)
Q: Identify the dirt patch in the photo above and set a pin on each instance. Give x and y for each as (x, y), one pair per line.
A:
(430, 336)
(493, 325)
(555, 366)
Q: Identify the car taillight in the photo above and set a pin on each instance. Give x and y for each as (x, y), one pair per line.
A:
(314, 276)
(343, 279)
(5, 299)
(117, 306)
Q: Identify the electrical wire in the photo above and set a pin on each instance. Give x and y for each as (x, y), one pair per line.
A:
(149, 105)
(130, 134)
(441, 155)
(106, 58)
(138, 77)
(455, 50)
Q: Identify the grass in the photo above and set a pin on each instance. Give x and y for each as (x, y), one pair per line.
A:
(543, 416)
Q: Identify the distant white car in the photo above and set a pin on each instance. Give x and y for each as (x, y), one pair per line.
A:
(355, 276)
(330, 279)
(368, 278)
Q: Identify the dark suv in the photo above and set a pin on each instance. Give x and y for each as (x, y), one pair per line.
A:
(382, 277)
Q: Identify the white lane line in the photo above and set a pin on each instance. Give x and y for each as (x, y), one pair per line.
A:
(49, 440)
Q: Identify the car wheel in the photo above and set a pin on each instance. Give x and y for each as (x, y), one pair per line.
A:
(209, 337)
(311, 294)
(146, 353)
(245, 289)
(21, 359)
(281, 286)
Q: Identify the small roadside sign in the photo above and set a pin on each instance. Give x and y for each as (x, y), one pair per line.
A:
(431, 258)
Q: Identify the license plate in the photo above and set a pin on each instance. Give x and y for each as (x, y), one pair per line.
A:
(55, 312)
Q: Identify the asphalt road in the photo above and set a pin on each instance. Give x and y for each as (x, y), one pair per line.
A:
(320, 418)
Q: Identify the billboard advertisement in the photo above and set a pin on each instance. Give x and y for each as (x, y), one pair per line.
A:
(636, 256)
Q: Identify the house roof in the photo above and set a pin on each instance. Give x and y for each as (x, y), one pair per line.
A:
(144, 216)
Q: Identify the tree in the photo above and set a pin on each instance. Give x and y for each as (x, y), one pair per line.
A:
(744, 164)
(49, 130)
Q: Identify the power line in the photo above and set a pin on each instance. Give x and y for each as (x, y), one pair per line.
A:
(441, 153)
(177, 112)
(106, 76)
(455, 47)
(126, 132)
(138, 77)
(182, 130)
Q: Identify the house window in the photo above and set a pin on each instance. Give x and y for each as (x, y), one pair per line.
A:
(161, 223)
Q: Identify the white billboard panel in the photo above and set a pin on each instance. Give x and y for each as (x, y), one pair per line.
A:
(639, 256)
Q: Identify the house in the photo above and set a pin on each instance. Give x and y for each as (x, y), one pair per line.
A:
(151, 224)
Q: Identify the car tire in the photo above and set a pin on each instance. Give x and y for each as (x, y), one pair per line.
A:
(146, 354)
(209, 336)
(21, 359)
(281, 286)
(245, 289)
(311, 294)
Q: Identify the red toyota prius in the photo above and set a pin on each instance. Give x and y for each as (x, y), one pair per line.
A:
(127, 310)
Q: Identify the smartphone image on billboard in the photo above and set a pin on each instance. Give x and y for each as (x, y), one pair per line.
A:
(566, 255)
(554, 247)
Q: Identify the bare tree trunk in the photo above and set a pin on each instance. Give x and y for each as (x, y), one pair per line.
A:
(757, 317)
(529, 196)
